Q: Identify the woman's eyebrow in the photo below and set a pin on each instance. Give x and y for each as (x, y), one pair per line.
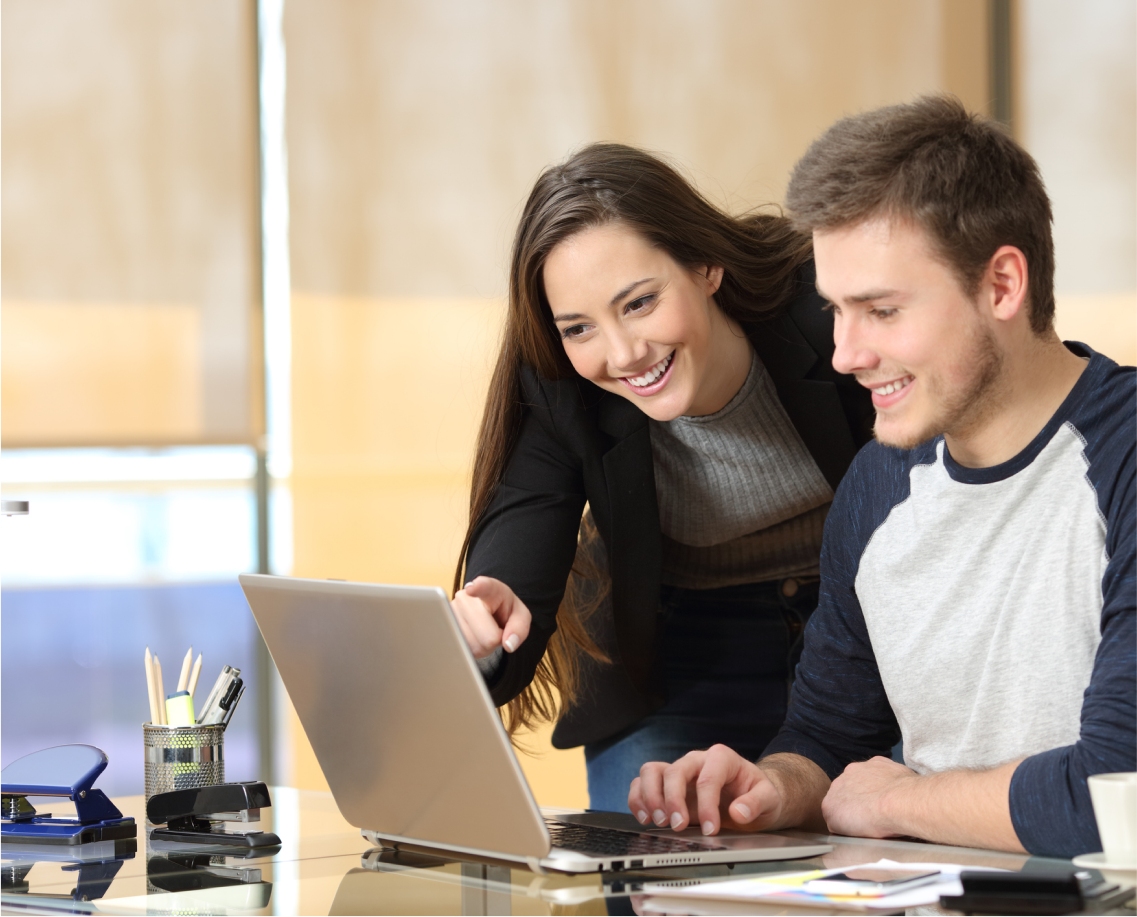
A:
(623, 294)
(628, 289)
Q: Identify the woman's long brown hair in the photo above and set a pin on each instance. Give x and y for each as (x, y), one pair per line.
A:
(604, 183)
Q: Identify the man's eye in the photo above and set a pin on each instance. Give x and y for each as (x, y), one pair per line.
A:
(884, 313)
(638, 305)
(830, 307)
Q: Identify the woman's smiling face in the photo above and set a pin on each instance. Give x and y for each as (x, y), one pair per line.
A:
(637, 324)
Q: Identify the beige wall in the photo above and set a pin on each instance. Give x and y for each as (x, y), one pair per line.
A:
(128, 132)
(416, 129)
(100, 373)
(386, 401)
(414, 133)
(1105, 321)
(1077, 102)
(1078, 118)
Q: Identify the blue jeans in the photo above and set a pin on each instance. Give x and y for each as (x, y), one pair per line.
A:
(728, 657)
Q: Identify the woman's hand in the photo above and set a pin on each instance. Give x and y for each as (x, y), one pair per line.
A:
(490, 615)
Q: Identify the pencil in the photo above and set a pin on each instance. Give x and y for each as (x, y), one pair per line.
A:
(161, 690)
(192, 687)
(183, 677)
(157, 688)
(151, 694)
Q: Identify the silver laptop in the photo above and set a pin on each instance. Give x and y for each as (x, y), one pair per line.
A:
(413, 749)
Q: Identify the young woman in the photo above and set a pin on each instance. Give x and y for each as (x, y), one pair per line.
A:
(660, 445)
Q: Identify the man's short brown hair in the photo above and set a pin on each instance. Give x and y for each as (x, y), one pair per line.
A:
(958, 176)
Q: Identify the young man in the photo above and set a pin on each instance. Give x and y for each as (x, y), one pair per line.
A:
(977, 595)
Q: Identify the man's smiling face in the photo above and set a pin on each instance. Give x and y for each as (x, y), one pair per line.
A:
(907, 330)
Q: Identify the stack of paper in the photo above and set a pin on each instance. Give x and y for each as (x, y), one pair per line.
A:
(788, 889)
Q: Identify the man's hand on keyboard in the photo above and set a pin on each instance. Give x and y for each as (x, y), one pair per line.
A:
(718, 786)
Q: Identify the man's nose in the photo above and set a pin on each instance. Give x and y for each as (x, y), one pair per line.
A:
(851, 353)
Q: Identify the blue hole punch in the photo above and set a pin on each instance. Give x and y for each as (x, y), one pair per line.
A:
(65, 770)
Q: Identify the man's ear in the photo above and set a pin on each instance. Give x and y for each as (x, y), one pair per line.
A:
(1007, 278)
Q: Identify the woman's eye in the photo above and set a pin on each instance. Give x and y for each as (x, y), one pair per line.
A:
(573, 331)
(638, 305)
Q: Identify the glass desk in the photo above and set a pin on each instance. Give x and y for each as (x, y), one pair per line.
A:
(325, 866)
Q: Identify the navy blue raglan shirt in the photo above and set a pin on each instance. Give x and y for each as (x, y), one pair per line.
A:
(986, 614)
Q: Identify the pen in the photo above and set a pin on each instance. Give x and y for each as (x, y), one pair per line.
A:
(236, 692)
(183, 677)
(161, 691)
(151, 693)
(210, 713)
(192, 686)
(213, 709)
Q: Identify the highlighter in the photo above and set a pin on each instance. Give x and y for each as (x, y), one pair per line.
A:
(179, 709)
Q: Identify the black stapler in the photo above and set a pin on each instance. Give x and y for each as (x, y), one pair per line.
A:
(194, 872)
(197, 816)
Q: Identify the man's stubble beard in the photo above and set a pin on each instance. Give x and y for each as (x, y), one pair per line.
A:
(970, 405)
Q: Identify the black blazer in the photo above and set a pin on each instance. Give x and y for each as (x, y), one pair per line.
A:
(577, 444)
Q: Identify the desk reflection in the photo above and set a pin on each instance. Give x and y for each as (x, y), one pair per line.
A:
(324, 866)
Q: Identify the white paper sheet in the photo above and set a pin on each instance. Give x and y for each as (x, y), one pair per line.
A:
(787, 888)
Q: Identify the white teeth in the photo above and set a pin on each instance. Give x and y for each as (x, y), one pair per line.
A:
(892, 386)
(652, 374)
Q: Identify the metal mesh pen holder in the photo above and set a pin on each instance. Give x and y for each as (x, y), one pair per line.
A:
(183, 757)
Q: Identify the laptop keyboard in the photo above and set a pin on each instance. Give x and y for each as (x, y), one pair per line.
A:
(610, 842)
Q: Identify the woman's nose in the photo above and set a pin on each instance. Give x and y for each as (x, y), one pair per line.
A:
(625, 353)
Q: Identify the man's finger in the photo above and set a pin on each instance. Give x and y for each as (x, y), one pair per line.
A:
(651, 792)
(677, 779)
(756, 807)
(720, 769)
(636, 804)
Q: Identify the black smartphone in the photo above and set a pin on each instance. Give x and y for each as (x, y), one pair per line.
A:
(1028, 892)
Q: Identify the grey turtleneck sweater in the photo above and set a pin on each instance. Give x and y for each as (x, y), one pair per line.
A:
(740, 498)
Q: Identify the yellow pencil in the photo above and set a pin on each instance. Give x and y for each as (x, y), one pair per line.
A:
(161, 691)
(183, 678)
(151, 693)
(192, 687)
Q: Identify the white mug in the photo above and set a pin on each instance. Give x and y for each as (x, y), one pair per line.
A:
(1115, 808)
